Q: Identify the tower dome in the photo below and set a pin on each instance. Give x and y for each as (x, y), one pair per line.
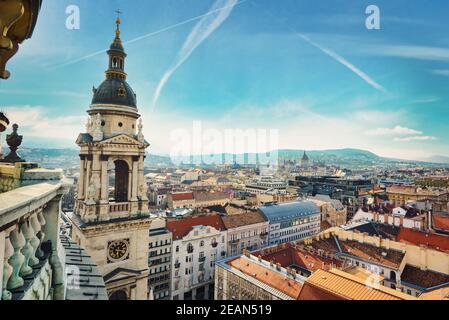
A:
(115, 90)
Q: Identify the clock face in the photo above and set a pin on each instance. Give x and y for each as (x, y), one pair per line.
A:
(118, 250)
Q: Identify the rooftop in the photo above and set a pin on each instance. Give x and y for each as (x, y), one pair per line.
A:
(298, 258)
(184, 196)
(181, 228)
(288, 211)
(418, 238)
(424, 279)
(243, 219)
(340, 285)
(267, 276)
(389, 258)
(441, 222)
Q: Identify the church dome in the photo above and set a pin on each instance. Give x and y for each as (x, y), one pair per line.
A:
(115, 91)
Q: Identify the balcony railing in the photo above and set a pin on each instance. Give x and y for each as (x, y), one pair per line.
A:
(201, 259)
(119, 207)
(34, 262)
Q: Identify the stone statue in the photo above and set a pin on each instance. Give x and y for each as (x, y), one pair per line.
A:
(94, 189)
(97, 132)
(88, 125)
(140, 136)
(143, 189)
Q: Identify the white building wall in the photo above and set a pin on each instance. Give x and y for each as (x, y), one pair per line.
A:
(185, 278)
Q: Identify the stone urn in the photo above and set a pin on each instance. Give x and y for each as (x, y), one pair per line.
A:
(14, 140)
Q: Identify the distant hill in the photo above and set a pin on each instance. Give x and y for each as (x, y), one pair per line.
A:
(349, 158)
(437, 159)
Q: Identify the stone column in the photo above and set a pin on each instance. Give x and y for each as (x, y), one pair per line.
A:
(81, 181)
(104, 196)
(52, 218)
(88, 173)
(104, 179)
(135, 176)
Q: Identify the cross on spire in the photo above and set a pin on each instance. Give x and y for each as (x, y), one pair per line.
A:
(118, 13)
(118, 21)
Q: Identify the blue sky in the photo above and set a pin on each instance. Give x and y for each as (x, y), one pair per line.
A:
(310, 69)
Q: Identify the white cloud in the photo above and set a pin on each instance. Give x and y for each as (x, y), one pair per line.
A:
(35, 122)
(415, 138)
(396, 131)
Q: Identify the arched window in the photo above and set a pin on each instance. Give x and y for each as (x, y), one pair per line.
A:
(119, 295)
(202, 244)
(189, 248)
(119, 176)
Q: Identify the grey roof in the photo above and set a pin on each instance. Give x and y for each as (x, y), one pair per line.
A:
(107, 93)
(288, 211)
(88, 283)
(326, 198)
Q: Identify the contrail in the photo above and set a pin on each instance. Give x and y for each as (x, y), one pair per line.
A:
(331, 54)
(154, 33)
(203, 29)
(344, 62)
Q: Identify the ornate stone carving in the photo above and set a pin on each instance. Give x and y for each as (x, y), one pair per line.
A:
(17, 22)
(97, 132)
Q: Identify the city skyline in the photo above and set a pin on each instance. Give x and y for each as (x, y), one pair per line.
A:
(324, 81)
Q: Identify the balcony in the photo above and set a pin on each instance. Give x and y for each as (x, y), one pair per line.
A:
(119, 207)
(177, 265)
(264, 235)
(201, 259)
(34, 262)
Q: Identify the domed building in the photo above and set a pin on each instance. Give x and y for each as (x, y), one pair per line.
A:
(111, 216)
(305, 161)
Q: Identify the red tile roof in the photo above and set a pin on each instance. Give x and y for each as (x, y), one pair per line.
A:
(440, 222)
(267, 276)
(180, 228)
(289, 257)
(418, 238)
(182, 196)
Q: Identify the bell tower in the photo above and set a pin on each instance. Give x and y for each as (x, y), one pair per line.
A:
(111, 183)
(111, 218)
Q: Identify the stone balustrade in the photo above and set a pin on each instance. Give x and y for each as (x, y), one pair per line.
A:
(36, 261)
(29, 235)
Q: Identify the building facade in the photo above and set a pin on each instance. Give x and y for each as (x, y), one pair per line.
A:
(246, 231)
(198, 242)
(292, 221)
(159, 260)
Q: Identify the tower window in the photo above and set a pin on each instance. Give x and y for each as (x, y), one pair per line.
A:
(103, 123)
(120, 124)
